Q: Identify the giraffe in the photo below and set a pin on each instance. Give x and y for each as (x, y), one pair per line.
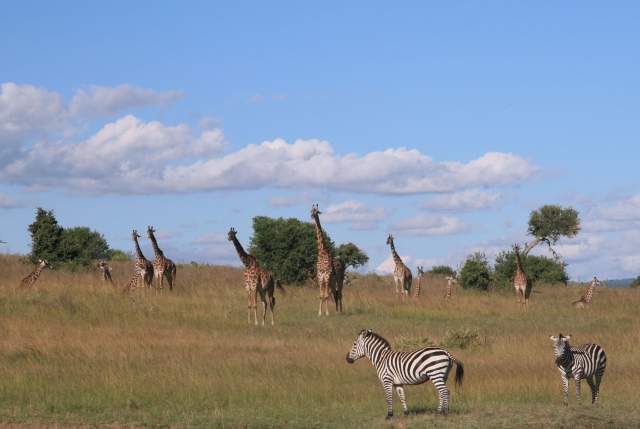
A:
(32, 278)
(136, 279)
(585, 300)
(105, 270)
(401, 274)
(256, 281)
(143, 267)
(162, 267)
(451, 280)
(339, 269)
(325, 273)
(420, 276)
(521, 282)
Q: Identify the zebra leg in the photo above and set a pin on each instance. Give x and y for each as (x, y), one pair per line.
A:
(387, 385)
(400, 391)
(599, 375)
(565, 389)
(577, 379)
(592, 386)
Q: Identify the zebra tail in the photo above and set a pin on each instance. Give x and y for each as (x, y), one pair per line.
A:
(459, 372)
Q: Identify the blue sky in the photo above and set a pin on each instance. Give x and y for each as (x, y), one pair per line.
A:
(444, 123)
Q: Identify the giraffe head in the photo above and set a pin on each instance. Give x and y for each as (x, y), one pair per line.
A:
(315, 211)
(135, 235)
(595, 282)
(43, 263)
(103, 266)
(516, 248)
(390, 240)
(451, 279)
(560, 343)
(420, 272)
(150, 231)
(232, 234)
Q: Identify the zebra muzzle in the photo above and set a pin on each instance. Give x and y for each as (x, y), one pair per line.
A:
(349, 360)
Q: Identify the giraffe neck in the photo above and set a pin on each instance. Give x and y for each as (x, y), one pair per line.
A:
(139, 254)
(449, 284)
(244, 256)
(154, 243)
(518, 262)
(589, 294)
(322, 249)
(396, 257)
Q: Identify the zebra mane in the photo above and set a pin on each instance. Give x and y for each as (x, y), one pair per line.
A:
(379, 337)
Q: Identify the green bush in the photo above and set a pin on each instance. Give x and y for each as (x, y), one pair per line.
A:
(442, 270)
(461, 338)
(476, 273)
(74, 247)
(537, 268)
(119, 255)
(635, 282)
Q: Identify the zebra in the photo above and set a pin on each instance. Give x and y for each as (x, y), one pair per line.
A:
(400, 368)
(586, 361)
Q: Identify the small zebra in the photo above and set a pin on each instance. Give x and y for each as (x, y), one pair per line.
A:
(586, 361)
(400, 368)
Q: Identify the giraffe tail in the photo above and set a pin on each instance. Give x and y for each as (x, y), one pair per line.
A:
(279, 286)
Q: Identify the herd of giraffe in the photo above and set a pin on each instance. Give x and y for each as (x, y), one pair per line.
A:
(330, 275)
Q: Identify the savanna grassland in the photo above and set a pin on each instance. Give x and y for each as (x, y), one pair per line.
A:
(75, 352)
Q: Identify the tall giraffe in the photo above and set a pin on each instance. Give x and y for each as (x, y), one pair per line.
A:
(143, 267)
(256, 281)
(420, 276)
(585, 300)
(325, 273)
(162, 266)
(521, 282)
(339, 269)
(451, 280)
(401, 274)
(105, 271)
(32, 278)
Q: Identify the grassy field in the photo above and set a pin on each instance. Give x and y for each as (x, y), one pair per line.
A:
(75, 352)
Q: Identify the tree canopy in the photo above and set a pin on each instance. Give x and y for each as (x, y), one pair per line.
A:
(551, 222)
(46, 236)
(351, 255)
(442, 270)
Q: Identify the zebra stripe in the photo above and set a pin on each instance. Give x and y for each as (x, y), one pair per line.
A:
(586, 361)
(400, 368)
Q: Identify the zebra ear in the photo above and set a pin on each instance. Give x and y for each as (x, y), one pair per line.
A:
(368, 332)
(553, 338)
(567, 337)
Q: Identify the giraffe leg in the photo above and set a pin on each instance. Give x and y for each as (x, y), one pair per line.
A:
(249, 307)
(400, 391)
(264, 311)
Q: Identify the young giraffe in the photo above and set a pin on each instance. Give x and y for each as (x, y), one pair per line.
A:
(418, 288)
(585, 300)
(451, 280)
(401, 274)
(521, 282)
(162, 267)
(143, 267)
(31, 279)
(254, 277)
(105, 271)
(325, 273)
(339, 269)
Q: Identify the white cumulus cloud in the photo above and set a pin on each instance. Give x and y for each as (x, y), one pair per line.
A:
(357, 213)
(425, 224)
(468, 199)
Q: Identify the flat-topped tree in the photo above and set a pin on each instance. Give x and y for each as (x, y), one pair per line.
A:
(550, 223)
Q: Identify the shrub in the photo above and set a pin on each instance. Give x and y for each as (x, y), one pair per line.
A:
(442, 270)
(475, 273)
(461, 338)
(635, 282)
(538, 269)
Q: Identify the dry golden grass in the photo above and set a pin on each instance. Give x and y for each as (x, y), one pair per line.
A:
(75, 352)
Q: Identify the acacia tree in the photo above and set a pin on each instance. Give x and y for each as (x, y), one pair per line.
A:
(549, 223)
(351, 255)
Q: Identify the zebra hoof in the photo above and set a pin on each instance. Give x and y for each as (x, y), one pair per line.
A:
(389, 416)
(406, 412)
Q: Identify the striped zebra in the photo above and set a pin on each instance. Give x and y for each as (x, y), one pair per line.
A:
(586, 361)
(400, 368)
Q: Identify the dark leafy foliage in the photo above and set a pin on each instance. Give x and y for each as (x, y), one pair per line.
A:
(537, 268)
(442, 270)
(351, 255)
(476, 273)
